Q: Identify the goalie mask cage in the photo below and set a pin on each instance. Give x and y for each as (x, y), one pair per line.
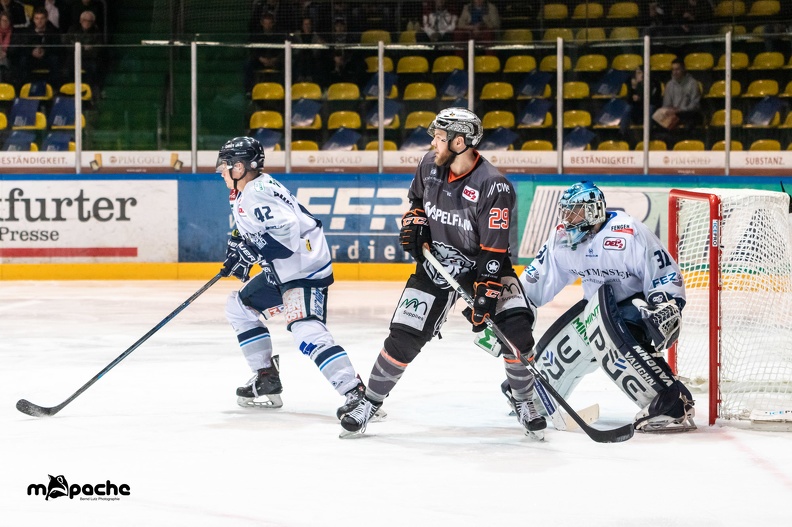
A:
(734, 248)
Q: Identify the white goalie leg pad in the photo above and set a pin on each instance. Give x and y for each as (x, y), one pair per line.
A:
(315, 341)
(563, 355)
(633, 369)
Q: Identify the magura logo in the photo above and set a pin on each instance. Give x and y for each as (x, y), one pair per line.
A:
(58, 486)
(470, 194)
(614, 244)
(415, 305)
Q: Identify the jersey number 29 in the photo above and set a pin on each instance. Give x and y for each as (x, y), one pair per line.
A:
(499, 218)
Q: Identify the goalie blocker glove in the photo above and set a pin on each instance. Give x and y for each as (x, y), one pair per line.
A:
(415, 232)
(662, 318)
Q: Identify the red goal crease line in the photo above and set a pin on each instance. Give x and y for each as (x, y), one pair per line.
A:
(69, 252)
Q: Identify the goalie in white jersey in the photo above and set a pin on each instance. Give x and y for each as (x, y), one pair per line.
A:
(633, 296)
(279, 234)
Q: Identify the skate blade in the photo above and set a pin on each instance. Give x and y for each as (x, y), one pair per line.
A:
(346, 434)
(537, 435)
(270, 403)
(378, 416)
(669, 428)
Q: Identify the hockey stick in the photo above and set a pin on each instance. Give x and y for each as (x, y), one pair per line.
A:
(26, 407)
(616, 435)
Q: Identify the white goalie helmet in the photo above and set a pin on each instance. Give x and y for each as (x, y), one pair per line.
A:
(581, 207)
(458, 121)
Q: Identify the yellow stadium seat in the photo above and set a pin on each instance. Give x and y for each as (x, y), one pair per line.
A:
(730, 8)
(736, 146)
(586, 34)
(739, 62)
(372, 36)
(407, 36)
(496, 119)
(420, 91)
(394, 92)
(7, 92)
(765, 145)
(699, 61)
(386, 145)
(343, 91)
(762, 88)
(661, 61)
(787, 121)
(419, 118)
(372, 62)
(719, 118)
(718, 90)
(774, 122)
(268, 91)
(486, 64)
(69, 87)
(623, 10)
(3, 121)
(573, 118)
(447, 64)
(517, 35)
(497, 90)
(789, 146)
(655, 145)
(627, 62)
(412, 64)
(625, 33)
(555, 11)
(547, 123)
(39, 124)
(519, 64)
(787, 91)
(537, 145)
(306, 90)
(24, 92)
(394, 124)
(316, 124)
(550, 35)
(266, 119)
(344, 119)
(689, 145)
(549, 63)
(588, 10)
(765, 8)
(576, 90)
(767, 60)
(592, 63)
(304, 145)
(613, 145)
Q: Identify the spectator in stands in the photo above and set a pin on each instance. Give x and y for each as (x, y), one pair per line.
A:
(318, 12)
(80, 6)
(42, 53)
(635, 98)
(682, 97)
(479, 20)
(309, 65)
(692, 15)
(6, 32)
(88, 34)
(267, 59)
(16, 13)
(57, 13)
(658, 16)
(346, 65)
(438, 25)
(283, 20)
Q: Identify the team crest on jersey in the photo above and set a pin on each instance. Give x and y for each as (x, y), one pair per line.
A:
(258, 186)
(470, 194)
(493, 266)
(614, 244)
(456, 263)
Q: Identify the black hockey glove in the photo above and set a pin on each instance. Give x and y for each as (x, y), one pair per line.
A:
(414, 233)
(239, 258)
(485, 300)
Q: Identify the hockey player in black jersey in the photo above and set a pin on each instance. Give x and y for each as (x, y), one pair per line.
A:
(462, 206)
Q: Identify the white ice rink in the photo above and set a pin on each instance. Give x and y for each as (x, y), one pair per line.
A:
(165, 422)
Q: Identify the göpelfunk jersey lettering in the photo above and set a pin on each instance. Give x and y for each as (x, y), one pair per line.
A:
(467, 212)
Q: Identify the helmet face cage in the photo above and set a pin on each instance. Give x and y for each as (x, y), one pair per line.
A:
(458, 121)
(581, 207)
(245, 150)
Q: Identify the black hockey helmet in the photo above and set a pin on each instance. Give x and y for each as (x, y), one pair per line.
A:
(245, 150)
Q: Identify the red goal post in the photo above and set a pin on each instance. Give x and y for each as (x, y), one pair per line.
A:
(734, 249)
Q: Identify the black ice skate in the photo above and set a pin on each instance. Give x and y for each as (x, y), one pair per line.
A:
(353, 398)
(354, 423)
(265, 385)
(528, 417)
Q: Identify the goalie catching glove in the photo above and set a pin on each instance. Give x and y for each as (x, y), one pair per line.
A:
(662, 319)
(414, 233)
(240, 258)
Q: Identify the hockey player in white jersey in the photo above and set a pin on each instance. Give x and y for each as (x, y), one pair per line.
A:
(277, 233)
(631, 312)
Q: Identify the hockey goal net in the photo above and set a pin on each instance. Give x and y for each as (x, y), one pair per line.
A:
(734, 248)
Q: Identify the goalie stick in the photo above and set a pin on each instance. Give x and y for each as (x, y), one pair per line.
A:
(616, 435)
(26, 407)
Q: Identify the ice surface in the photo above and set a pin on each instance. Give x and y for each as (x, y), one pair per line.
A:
(165, 422)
